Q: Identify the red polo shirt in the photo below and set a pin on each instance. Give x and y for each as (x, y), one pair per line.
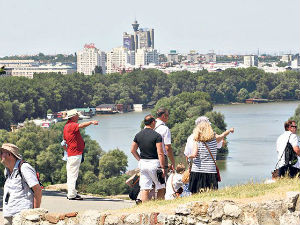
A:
(73, 138)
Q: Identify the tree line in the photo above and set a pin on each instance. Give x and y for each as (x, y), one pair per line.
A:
(104, 172)
(22, 98)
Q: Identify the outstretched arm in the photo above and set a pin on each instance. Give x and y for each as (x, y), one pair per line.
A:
(86, 124)
(224, 134)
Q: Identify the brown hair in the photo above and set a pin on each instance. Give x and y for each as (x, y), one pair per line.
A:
(288, 123)
(180, 168)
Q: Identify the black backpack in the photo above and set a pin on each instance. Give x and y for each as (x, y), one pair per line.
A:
(135, 190)
(290, 154)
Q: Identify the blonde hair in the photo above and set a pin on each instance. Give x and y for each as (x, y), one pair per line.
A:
(203, 132)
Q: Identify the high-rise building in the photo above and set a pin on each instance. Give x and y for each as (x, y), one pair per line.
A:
(173, 57)
(251, 60)
(89, 58)
(141, 38)
(145, 57)
(128, 41)
(117, 59)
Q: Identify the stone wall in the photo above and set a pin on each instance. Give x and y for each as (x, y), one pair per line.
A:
(276, 212)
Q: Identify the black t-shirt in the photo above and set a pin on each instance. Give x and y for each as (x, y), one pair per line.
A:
(146, 140)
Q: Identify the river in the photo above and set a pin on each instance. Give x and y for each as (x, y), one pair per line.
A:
(252, 153)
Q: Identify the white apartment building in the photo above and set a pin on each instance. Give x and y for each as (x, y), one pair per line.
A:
(28, 71)
(117, 59)
(250, 60)
(145, 57)
(89, 58)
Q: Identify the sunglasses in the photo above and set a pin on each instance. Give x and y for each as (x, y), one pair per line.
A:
(294, 127)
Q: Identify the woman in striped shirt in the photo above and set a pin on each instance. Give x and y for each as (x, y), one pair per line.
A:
(203, 173)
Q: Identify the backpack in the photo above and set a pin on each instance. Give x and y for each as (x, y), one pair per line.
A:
(134, 192)
(290, 154)
(19, 172)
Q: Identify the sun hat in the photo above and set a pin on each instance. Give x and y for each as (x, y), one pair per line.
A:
(202, 119)
(11, 148)
(71, 113)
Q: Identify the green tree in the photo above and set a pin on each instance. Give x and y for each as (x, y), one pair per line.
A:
(112, 164)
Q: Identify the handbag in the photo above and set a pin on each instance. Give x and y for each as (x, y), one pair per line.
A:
(160, 177)
(186, 174)
(217, 168)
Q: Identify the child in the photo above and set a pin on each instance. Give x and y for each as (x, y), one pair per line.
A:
(174, 186)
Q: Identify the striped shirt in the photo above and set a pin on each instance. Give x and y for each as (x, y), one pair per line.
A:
(203, 163)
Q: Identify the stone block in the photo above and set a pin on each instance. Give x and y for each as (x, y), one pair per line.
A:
(89, 217)
(33, 218)
(153, 218)
(290, 218)
(291, 200)
(250, 218)
(215, 210)
(183, 210)
(199, 209)
(45, 222)
(227, 222)
(52, 217)
(71, 214)
(112, 220)
(267, 217)
(232, 210)
(133, 219)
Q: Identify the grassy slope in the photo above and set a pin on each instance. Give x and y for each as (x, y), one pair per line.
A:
(241, 193)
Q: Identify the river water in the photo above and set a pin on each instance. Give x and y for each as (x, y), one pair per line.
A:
(252, 153)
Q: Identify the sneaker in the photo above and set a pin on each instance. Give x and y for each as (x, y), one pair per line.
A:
(77, 197)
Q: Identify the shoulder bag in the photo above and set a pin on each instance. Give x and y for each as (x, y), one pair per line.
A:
(218, 171)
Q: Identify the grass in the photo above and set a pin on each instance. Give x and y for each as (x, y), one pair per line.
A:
(246, 193)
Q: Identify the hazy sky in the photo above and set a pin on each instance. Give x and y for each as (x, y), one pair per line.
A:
(225, 26)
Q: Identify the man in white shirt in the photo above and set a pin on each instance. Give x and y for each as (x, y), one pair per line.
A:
(288, 136)
(21, 189)
(161, 128)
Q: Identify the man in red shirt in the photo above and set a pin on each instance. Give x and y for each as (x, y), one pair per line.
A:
(75, 147)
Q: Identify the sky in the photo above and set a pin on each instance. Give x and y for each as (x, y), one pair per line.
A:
(224, 26)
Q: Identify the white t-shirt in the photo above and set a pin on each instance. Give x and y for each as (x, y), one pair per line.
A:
(177, 183)
(164, 131)
(190, 144)
(281, 144)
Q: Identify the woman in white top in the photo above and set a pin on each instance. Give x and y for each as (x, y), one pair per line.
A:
(203, 173)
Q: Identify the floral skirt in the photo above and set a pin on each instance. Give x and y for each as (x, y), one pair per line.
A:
(202, 181)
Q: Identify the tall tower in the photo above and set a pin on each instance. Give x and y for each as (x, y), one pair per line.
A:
(135, 26)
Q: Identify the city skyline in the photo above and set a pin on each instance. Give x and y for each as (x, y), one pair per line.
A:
(227, 27)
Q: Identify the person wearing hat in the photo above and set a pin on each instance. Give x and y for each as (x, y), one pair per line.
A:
(190, 141)
(21, 191)
(75, 147)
